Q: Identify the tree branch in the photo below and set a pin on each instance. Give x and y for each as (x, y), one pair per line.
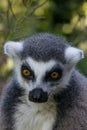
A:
(11, 9)
(32, 11)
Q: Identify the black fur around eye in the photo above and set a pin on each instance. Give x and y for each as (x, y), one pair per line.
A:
(53, 75)
(26, 72)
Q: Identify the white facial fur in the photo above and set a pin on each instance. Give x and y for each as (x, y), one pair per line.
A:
(39, 69)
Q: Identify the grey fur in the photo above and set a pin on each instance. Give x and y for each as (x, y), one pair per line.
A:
(71, 102)
(10, 99)
(44, 47)
(75, 105)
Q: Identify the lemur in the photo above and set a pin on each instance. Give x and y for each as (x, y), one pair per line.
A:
(46, 91)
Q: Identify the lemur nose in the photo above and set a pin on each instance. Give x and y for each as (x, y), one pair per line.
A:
(38, 95)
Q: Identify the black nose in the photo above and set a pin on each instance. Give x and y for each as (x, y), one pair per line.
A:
(38, 95)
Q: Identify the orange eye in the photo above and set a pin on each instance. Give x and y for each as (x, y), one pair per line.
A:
(55, 75)
(26, 72)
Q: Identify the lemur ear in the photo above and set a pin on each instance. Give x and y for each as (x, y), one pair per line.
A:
(73, 55)
(12, 48)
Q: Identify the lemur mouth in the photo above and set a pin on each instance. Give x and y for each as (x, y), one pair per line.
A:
(38, 96)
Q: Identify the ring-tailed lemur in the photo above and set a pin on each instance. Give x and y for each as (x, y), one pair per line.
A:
(46, 92)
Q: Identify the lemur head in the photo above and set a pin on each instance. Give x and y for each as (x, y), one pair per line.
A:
(43, 64)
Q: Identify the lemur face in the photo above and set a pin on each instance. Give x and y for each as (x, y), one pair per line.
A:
(43, 65)
(41, 78)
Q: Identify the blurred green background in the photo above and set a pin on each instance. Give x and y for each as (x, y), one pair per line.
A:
(22, 18)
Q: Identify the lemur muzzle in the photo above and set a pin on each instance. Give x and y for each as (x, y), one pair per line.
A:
(38, 95)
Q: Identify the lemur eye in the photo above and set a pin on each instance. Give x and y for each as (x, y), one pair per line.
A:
(55, 75)
(26, 72)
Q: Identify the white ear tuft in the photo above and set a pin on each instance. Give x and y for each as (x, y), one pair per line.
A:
(12, 48)
(73, 55)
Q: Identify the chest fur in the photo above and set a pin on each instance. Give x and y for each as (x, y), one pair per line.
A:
(35, 117)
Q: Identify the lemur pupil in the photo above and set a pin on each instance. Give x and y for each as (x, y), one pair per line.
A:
(26, 72)
(55, 75)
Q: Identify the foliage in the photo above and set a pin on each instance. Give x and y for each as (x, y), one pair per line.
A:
(22, 18)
